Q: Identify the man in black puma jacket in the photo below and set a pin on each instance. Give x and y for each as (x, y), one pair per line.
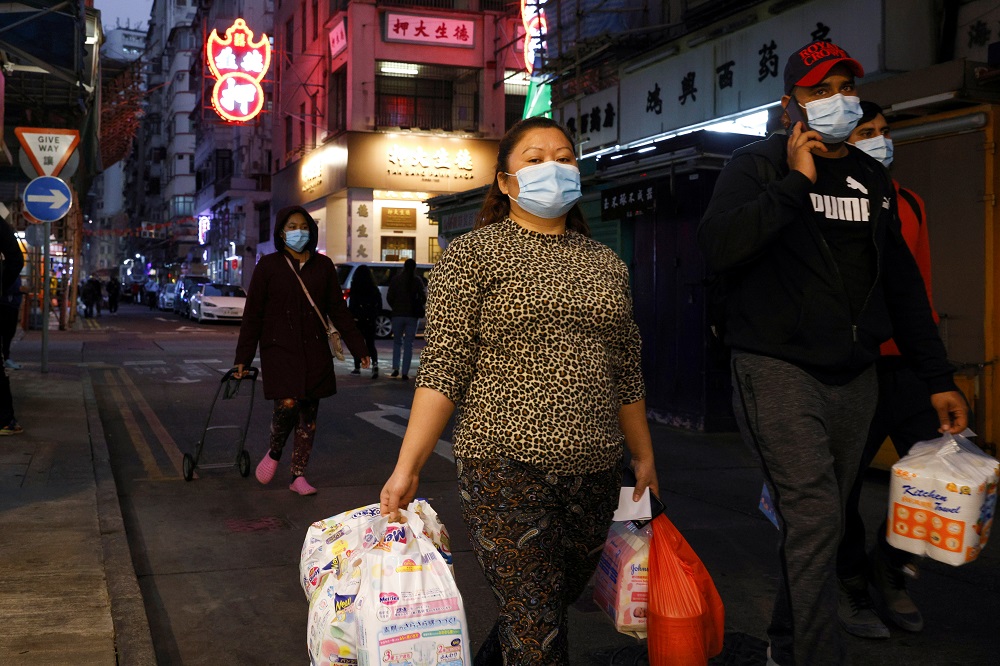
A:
(803, 228)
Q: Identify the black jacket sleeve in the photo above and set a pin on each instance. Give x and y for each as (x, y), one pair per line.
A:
(745, 214)
(913, 326)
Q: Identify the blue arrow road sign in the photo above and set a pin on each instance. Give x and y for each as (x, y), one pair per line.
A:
(47, 198)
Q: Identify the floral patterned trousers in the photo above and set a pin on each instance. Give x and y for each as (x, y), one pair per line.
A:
(538, 538)
(300, 415)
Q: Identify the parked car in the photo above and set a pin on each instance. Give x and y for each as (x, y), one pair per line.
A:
(383, 272)
(213, 301)
(166, 296)
(182, 294)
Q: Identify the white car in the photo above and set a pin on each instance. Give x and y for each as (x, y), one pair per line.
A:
(166, 297)
(382, 272)
(214, 301)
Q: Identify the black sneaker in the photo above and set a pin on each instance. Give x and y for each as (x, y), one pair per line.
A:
(890, 584)
(395, 372)
(356, 371)
(855, 609)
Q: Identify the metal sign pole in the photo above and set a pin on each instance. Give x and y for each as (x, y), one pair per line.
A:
(46, 298)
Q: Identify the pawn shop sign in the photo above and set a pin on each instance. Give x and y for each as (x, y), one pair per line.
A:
(48, 150)
(239, 64)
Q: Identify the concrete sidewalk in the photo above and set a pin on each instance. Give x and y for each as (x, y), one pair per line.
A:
(69, 592)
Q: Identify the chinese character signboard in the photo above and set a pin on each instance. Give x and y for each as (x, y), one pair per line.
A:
(238, 64)
(418, 163)
(338, 38)
(628, 200)
(594, 121)
(399, 218)
(429, 30)
(743, 70)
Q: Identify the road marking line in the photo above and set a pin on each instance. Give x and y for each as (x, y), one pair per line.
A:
(378, 419)
(130, 363)
(166, 441)
(210, 360)
(139, 443)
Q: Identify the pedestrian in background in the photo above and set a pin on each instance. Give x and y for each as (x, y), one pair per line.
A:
(91, 295)
(114, 289)
(11, 264)
(803, 229)
(904, 413)
(539, 453)
(152, 292)
(365, 303)
(10, 318)
(296, 362)
(407, 295)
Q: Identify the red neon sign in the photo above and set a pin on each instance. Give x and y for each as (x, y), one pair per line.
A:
(238, 63)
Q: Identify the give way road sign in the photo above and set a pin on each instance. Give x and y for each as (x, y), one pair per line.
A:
(47, 198)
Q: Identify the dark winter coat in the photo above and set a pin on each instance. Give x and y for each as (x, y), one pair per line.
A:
(406, 295)
(785, 297)
(295, 355)
(365, 304)
(11, 257)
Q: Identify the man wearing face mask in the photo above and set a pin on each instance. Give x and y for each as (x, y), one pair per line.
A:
(802, 229)
(904, 413)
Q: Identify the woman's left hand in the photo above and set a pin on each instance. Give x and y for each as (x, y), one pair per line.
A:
(366, 362)
(645, 477)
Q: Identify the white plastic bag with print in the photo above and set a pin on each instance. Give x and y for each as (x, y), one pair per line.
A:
(408, 608)
(942, 499)
(330, 576)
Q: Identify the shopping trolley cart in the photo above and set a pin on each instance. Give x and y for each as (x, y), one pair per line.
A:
(229, 388)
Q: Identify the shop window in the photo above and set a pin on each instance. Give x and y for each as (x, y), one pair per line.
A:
(398, 248)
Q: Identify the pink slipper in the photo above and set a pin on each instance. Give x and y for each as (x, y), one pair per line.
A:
(302, 487)
(266, 469)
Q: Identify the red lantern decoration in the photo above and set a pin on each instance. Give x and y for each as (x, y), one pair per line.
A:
(239, 64)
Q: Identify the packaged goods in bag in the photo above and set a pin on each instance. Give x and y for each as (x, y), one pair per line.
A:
(942, 498)
(408, 607)
(621, 588)
(330, 575)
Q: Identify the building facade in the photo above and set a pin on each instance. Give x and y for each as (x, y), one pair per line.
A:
(382, 105)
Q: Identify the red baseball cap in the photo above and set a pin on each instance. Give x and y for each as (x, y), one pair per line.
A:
(810, 64)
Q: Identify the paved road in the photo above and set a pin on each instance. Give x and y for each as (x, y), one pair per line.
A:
(216, 558)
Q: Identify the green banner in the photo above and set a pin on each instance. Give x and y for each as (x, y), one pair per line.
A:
(538, 101)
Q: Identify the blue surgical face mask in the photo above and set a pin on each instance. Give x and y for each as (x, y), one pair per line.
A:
(296, 239)
(834, 117)
(548, 190)
(878, 147)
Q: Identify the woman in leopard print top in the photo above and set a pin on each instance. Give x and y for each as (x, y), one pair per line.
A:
(530, 331)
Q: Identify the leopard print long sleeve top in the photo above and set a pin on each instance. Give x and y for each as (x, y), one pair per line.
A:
(532, 337)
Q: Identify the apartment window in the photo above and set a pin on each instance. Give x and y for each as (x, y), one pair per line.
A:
(313, 117)
(515, 89)
(336, 105)
(264, 222)
(302, 8)
(182, 206)
(315, 26)
(223, 164)
(290, 39)
(426, 96)
(288, 134)
(302, 124)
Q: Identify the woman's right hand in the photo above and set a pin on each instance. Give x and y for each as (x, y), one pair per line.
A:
(238, 371)
(397, 493)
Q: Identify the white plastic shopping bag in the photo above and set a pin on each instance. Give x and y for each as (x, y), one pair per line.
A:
(330, 575)
(621, 588)
(942, 499)
(408, 608)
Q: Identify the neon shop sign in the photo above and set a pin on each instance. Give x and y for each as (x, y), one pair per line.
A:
(535, 27)
(238, 64)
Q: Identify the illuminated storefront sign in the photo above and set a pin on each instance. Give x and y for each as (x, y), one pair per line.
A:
(535, 27)
(204, 226)
(239, 64)
(429, 30)
(438, 163)
(338, 38)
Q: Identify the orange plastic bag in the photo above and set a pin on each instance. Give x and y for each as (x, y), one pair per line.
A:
(686, 618)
